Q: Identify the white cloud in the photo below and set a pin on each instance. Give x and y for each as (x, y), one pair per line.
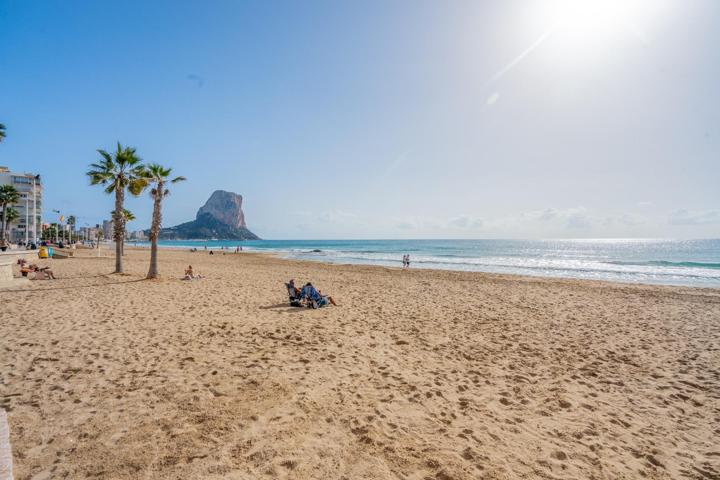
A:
(405, 225)
(337, 216)
(575, 217)
(414, 223)
(555, 220)
(578, 219)
(694, 217)
(461, 222)
(631, 220)
(545, 215)
(465, 221)
(548, 214)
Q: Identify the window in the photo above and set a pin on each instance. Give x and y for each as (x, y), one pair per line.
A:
(22, 180)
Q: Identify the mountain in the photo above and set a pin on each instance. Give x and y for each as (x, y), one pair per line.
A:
(226, 207)
(221, 217)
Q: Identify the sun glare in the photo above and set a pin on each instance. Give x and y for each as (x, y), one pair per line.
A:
(588, 26)
(589, 16)
(573, 33)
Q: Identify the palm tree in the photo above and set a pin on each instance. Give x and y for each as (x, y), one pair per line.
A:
(127, 216)
(10, 215)
(2, 132)
(158, 177)
(8, 196)
(99, 237)
(71, 221)
(117, 172)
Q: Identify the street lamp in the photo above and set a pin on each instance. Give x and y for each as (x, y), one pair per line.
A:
(27, 219)
(57, 225)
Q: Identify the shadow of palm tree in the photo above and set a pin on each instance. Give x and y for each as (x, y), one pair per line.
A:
(68, 287)
(84, 276)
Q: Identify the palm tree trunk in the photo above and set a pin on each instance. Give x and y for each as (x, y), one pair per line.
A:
(119, 228)
(2, 234)
(155, 232)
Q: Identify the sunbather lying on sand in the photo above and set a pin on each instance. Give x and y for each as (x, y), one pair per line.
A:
(314, 297)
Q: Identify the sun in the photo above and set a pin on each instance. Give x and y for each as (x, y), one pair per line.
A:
(592, 26)
(589, 16)
(574, 34)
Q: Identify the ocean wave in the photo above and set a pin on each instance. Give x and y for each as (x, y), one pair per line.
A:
(665, 262)
(529, 265)
(662, 263)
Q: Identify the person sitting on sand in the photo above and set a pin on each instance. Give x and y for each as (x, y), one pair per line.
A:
(189, 275)
(48, 273)
(291, 284)
(314, 297)
(25, 269)
(43, 272)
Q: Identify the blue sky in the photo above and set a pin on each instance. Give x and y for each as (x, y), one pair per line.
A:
(379, 119)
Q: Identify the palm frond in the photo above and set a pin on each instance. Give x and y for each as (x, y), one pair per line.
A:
(136, 185)
(105, 155)
(100, 167)
(128, 215)
(99, 177)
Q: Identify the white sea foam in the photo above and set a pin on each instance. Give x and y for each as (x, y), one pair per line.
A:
(694, 263)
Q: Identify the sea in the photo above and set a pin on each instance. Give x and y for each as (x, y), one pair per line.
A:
(655, 261)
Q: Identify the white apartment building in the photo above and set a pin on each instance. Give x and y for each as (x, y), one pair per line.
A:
(28, 225)
(137, 235)
(89, 234)
(107, 228)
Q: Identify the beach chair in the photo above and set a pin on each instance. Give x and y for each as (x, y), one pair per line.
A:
(292, 296)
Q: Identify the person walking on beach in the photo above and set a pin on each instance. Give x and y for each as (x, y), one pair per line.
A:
(404, 261)
(407, 261)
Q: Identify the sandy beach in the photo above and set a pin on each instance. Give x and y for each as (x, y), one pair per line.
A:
(415, 375)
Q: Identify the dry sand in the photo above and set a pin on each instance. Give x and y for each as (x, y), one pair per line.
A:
(417, 374)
